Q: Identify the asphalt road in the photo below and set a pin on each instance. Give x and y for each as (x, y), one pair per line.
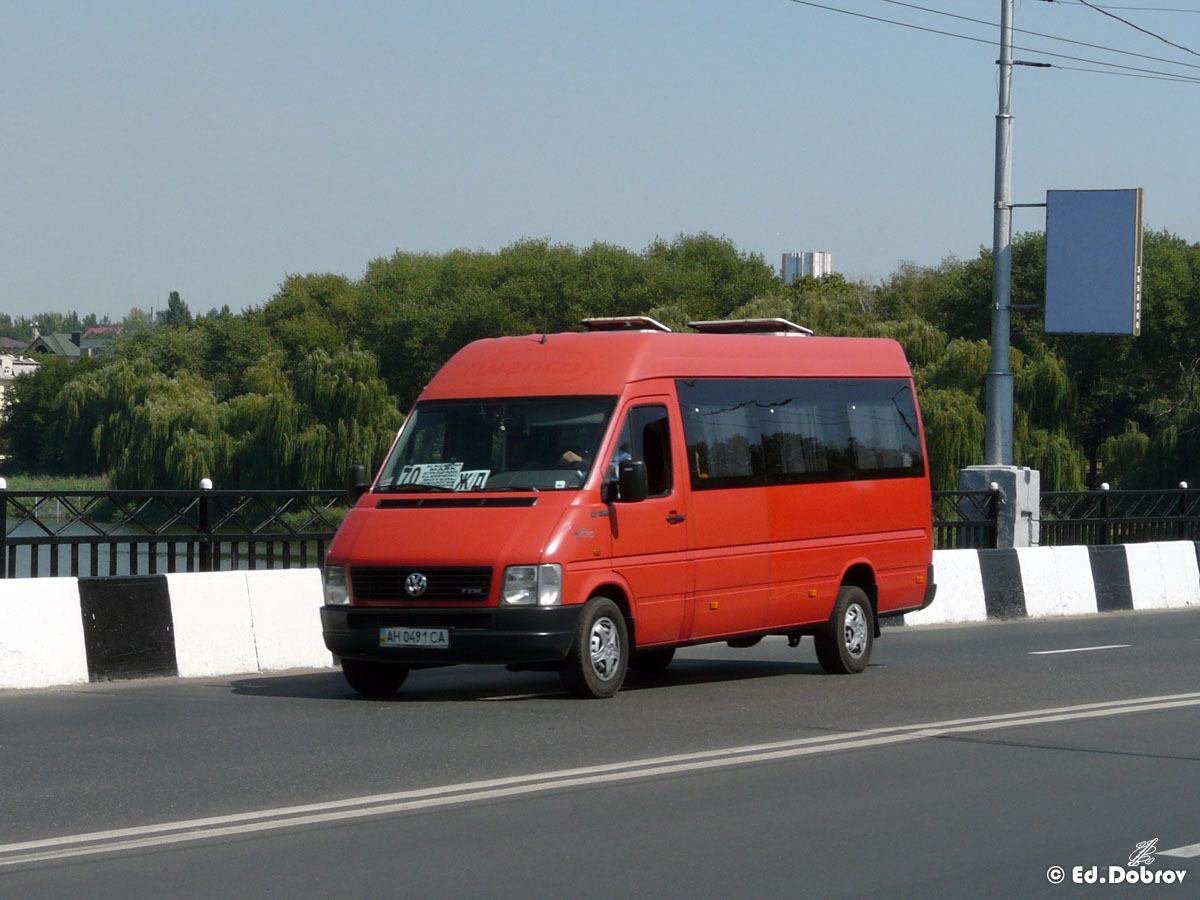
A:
(966, 762)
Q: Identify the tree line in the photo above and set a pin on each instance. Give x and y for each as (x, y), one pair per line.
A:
(176, 312)
(290, 393)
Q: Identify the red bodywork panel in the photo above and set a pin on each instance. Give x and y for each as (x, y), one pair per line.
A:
(605, 363)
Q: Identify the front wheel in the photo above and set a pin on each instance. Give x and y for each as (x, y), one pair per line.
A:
(844, 644)
(374, 679)
(599, 655)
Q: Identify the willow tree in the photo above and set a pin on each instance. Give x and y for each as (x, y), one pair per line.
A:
(172, 437)
(38, 434)
(349, 415)
(953, 433)
(298, 424)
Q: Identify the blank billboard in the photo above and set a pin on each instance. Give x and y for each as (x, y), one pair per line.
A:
(1094, 262)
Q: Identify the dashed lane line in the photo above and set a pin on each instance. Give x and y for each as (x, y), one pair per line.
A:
(1078, 649)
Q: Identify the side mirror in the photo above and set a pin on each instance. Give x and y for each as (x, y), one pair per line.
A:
(631, 476)
(356, 483)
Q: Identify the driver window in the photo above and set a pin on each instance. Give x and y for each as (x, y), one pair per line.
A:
(645, 435)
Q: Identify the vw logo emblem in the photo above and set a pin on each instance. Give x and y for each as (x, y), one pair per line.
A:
(415, 584)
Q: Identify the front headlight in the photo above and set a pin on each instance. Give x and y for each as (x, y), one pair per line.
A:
(532, 586)
(333, 581)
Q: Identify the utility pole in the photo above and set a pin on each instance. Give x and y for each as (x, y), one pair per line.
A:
(998, 414)
(1017, 514)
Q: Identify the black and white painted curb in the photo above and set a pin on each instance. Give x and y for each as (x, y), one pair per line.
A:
(61, 631)
(1034, 582)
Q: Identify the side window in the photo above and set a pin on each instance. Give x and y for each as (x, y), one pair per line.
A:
(743, 432)
(646, 435)
(723, 428)
(883, 429)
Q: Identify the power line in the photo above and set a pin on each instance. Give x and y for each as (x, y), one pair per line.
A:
(1105, 12)
(1162, 76)
(1051, 37)
(1123, 74)
(1138, 8)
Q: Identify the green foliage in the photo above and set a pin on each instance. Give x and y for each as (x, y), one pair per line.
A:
(177, 312)
(36, 428)
(1086, 388)
(1124, 453)
(23, 481)
(298, 426)
(280, 422)
(21, 327)
(289, 394)
(953, 432)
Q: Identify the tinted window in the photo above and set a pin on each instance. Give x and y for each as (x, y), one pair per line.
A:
(723, 431)
(646, 435)
(791, 430)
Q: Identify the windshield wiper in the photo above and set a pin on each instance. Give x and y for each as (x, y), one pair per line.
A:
(507, 487)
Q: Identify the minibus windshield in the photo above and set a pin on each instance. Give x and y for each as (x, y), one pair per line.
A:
(516, 444)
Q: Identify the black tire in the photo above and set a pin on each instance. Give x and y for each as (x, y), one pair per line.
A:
(844, 644)
(595, 666)
(656, 659)
(374, 679)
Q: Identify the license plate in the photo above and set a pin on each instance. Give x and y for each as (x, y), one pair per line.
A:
(435, 638)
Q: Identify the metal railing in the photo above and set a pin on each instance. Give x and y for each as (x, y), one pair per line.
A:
(1119, 517)
(965, 519)
(106, 533)
(100, 533)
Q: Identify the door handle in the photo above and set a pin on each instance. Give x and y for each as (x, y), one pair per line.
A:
(675, 518)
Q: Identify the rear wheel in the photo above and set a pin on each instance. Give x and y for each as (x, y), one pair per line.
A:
(599, 655)
(374, 679)
(844, 644)
(656, 659)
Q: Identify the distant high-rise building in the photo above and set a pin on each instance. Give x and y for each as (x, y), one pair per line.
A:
(810, 262)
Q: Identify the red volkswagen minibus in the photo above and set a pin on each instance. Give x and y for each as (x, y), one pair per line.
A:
(589, 502)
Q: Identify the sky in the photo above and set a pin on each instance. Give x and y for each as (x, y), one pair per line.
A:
(215, 148)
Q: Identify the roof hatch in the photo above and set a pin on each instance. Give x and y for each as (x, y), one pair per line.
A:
(625, 323)
(752, 326)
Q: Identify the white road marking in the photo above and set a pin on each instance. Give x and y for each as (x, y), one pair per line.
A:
(1188, 851)
(117, 840)
(1078, 649)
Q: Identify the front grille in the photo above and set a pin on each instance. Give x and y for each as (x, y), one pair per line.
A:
(385, 584)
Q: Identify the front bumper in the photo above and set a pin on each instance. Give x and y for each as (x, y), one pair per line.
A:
(478, 635)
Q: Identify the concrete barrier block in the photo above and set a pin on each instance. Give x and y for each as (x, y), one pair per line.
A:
(1146, 583)
(214, 633)
(1039, 581)
(959, 590)
(1076, 580)
(127, 627)
(287, 621)
(1175, 573)
(41, 633)
(1058, 581)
